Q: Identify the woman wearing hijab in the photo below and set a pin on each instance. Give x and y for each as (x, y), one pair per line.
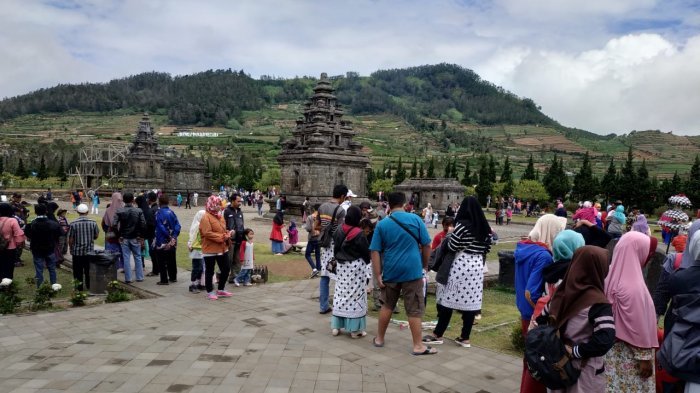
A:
(111, 239)
(582, 310)
(215, 243)
(293, 233)
(428, 215)
(593, 234)
(463, 288)
(686, 290)
(616, 221)
(276, 234)
(194, 244)
(641, 225)
(630, 363)
(14, 236)
(351, 250)
(532, 255)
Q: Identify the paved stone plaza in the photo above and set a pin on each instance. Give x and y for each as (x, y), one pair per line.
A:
(265, 339)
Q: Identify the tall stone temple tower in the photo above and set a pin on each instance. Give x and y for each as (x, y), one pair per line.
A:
(321, 152)
(146, 159)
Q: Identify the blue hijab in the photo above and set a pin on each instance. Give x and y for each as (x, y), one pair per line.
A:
(620, 214)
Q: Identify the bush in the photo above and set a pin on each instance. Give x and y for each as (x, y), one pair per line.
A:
(9, 297)
(516, 338)
(43, 295)
(115, 293)
(77, 297)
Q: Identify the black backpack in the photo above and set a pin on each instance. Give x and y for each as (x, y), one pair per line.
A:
(547, 360)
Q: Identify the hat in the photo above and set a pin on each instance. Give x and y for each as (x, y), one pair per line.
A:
(350, 194)
(366, 205)
(61, 211)
(82, 208)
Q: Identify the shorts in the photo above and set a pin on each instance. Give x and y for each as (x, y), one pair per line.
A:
(413, 297)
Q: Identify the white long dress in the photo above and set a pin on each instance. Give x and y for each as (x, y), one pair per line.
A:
(465, 286)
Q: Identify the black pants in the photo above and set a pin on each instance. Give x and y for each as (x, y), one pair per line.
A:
(167, 265)
(234, 260)
(444, 316)
(154, 256)
(7, 263)
(209, 262)
(81, 271)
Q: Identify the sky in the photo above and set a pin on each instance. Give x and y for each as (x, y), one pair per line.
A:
(599, 65)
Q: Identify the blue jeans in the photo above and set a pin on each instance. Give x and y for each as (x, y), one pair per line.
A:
(244, 276)
(324, 288)
(312, 246)
(132, 246)
(39, 262)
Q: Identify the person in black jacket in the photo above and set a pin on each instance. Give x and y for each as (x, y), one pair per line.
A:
(130, 224)
(152, 204)
(43, 234)
(351, 250)
(150, 231)
(233, 215)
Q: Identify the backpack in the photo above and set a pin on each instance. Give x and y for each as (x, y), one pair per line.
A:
(547, 360)
(4, 243)
(324, 239)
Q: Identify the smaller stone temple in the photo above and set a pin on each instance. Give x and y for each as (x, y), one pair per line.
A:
(439, 192)
(321, 152)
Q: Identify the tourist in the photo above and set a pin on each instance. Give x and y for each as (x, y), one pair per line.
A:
(49, 195)
(259, 202)
(436, 217)
(509, 214)
(630, 364)
(247, 258)
(194, 245)
(149, 232)
(560, 211)
(276, 234)
(404, 241)
(461, 283)
(233, 216)
(532, 255)
(448, 225)
(149, 213)
(43, 235)
(62, 246)
(428, 215)
(351, 250)
(312, 244)
(348, 200)
(165, 244)
(293, 233)
(306, 209)
(178, 200)
(685, 289)
(81, 239)
(592, 234)
(111, 238)
(130, 224)
(368, 212)
(586, 212)
(215, 239)
(584, 314)
(329, 213)
(615, 221)
(14, 237)
(382, 210)
(195, 198)
(95, 204)
(187, 200)
(641, 225)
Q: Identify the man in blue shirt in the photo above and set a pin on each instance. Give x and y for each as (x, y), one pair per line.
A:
(400, 251)
(167, 231)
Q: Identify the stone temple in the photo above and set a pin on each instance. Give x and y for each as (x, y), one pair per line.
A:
(321, 152)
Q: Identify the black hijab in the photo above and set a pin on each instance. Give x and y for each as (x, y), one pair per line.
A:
(279, 218)
(142, 203)
(6, 210)
(353, 216)
(472, 216)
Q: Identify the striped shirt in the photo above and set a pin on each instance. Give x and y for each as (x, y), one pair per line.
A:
(463, 240)
(83, 231)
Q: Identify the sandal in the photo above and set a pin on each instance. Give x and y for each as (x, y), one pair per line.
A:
(358, 335)
(428, 351)
(463, 342)
(376, 344)
(430, 339)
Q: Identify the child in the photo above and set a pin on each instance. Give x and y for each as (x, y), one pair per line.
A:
(247, 259)
(95, 204)
(509, 214)
(499, 218)
(293, 233)
(436, 217)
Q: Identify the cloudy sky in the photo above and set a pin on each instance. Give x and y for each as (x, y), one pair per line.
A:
(601, 65)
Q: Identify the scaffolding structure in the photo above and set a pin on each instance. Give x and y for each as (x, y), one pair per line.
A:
(101, 162)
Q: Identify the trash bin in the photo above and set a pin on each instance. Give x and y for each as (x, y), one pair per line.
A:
(103, 270)
(506, 269)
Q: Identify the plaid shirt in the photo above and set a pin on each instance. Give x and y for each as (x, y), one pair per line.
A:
(83, 231)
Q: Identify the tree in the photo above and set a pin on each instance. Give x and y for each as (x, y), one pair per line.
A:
(646, 192)
(585, 186)
(609, 183)
(21, 172)
(483, 188)
(507, 174)
(43, 172)
(628, 181)
(692, 186)
(385, 185)
(2, 165)
(421, 171)
(555, 180)
(453, 172)
(414, 168)
(492, 169)
(400, 175)
(529, 173)
(467, 177)
(431, 168)
(531, 190)
(448, 168)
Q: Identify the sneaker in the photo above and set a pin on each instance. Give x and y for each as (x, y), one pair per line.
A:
(314, 273)
(235, 282)
(201, 287)
(430, 339)
(212, 296)
(193, 289)
(247, 284)
(223, 294)
(463, 342)
(335, 332)
(477, 317)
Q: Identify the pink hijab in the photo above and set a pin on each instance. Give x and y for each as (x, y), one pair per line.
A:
(116, 204)
(633, 308)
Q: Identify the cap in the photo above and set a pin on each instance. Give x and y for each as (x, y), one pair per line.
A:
(351, 194)
(82, 208)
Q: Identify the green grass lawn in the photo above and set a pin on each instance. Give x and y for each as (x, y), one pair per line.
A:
(26, 291)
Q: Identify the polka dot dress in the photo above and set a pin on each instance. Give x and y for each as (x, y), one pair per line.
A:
(326, 255)
(465, 285)
(350, 296)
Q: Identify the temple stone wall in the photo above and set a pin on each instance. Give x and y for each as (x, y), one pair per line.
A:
(438, 192)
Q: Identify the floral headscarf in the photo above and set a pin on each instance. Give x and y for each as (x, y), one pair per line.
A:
(214, 205)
